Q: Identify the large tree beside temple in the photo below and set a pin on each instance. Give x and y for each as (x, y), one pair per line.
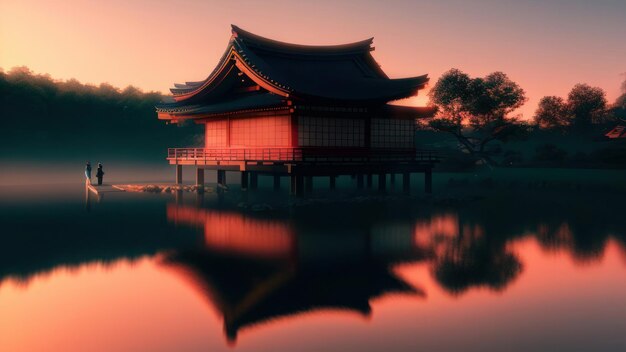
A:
(477, 110)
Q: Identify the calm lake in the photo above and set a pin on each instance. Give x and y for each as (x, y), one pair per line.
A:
(516, 271)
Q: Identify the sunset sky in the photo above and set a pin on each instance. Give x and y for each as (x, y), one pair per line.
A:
(546, 46)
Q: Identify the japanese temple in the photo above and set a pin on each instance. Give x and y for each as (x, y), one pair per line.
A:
(301, 111)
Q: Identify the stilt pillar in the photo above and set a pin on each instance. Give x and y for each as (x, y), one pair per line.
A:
(359, 181)
(221, 177)
(369, 180)
(392, 179)
(309, 183)
(200, 179)
(276, 183)
(332, 182)
(428, 181)
(298, 185)
(406, 182)
(382, 182)
(292, 184)
(254, 180)
(244, 180)
(179, 174)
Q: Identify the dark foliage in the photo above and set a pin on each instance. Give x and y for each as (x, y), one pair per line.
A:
(585, 106)
(551, 153)
(43, 118)
(476, 110)
(552, 113)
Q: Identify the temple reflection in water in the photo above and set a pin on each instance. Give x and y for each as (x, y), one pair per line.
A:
(254, 270)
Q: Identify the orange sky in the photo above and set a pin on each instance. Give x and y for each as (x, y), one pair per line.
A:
(546, 46)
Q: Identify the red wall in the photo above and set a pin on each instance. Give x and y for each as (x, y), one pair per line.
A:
(262, 131)
(216, 134)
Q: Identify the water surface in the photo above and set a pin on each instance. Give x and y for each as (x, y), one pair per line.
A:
(161, 272)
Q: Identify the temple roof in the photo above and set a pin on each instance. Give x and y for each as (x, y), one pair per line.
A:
(335, 73)
(256, 101)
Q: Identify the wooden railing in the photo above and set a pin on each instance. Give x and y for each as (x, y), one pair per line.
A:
(338, 155)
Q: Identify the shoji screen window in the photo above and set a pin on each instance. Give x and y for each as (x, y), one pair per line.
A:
(327, 132)
(390, 133)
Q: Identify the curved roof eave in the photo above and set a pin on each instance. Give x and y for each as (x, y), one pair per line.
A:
(257, 40)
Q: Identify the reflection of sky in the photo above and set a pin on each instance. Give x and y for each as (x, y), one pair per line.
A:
(101, 278)
(145, 307)
(546, 46)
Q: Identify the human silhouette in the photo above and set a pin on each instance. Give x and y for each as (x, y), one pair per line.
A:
(88, 172)
(99, 174)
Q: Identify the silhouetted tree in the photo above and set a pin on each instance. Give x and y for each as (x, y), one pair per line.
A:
(586, 104)
(552, 113)
(619, 110)
(43, 117)
(476, 110)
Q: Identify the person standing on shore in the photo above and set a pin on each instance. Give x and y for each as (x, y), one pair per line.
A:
(88, 172)
(99, 174)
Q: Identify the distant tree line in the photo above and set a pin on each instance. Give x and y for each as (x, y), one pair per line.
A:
(478, 113)
(42, 117)
(585, 106)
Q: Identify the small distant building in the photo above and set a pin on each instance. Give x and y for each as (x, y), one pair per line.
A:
(301, 111)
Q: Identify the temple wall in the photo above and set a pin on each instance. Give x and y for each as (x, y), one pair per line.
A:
(216, 134)
(275, 131)
(329, 132)
(340, 132)
(392, 133)
(263, 131)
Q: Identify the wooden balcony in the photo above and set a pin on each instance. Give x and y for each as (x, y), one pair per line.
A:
(208, 156)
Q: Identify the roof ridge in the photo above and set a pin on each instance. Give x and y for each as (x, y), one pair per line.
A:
(257, 40)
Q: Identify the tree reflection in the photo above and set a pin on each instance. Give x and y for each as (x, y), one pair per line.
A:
(461, 267)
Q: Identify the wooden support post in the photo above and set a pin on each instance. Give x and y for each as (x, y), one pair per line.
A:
(221, 177)
(428, 180)
(369, 180)
(179, 174)
(382, 182)
(276, 183)
(359, 181)
(254, 180)
(292, 184)
(392, 179)
(244, 180)
(299, 185)
(309, 183)
(199, 176)
(332, 182)
(406, 182)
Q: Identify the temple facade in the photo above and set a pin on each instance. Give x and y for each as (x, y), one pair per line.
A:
(279, 109)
